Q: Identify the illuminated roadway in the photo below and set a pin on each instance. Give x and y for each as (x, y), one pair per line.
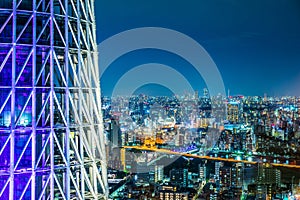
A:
(145, 148)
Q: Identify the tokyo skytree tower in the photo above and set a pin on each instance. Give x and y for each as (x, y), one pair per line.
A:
(51, 134)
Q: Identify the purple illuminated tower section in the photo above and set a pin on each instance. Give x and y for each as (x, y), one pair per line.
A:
(51, 134)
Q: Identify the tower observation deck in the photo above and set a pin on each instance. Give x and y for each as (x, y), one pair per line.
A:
(51, 137)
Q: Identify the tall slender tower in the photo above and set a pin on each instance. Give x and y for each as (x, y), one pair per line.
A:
(51, 137)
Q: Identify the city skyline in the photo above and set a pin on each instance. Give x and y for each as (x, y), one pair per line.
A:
(191, 103)
(246, 40)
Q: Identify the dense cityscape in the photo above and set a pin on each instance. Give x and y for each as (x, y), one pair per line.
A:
(201, 147)
(76, 124)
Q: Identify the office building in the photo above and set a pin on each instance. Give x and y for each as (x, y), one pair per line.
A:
(179, 177)
(158, 173)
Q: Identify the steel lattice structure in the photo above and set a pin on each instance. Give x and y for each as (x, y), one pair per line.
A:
(51, 135)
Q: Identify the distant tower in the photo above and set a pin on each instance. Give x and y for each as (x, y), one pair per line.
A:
(196, 95)
(205, 93)
(265, 97)
(51, 137)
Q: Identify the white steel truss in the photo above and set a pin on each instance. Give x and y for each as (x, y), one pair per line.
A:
(51, 134)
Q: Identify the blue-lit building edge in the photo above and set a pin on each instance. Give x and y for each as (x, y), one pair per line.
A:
(23, 128)
(23, 88)
(27, 78)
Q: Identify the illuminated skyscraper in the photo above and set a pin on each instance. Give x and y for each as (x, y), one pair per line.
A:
(51, 137)
(202, 172)
(233, 112)
(158, 173)
(235, 109)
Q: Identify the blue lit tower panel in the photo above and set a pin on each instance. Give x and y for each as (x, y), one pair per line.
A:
(51, 137)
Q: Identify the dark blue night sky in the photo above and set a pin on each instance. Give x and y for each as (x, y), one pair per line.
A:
(255, 43)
